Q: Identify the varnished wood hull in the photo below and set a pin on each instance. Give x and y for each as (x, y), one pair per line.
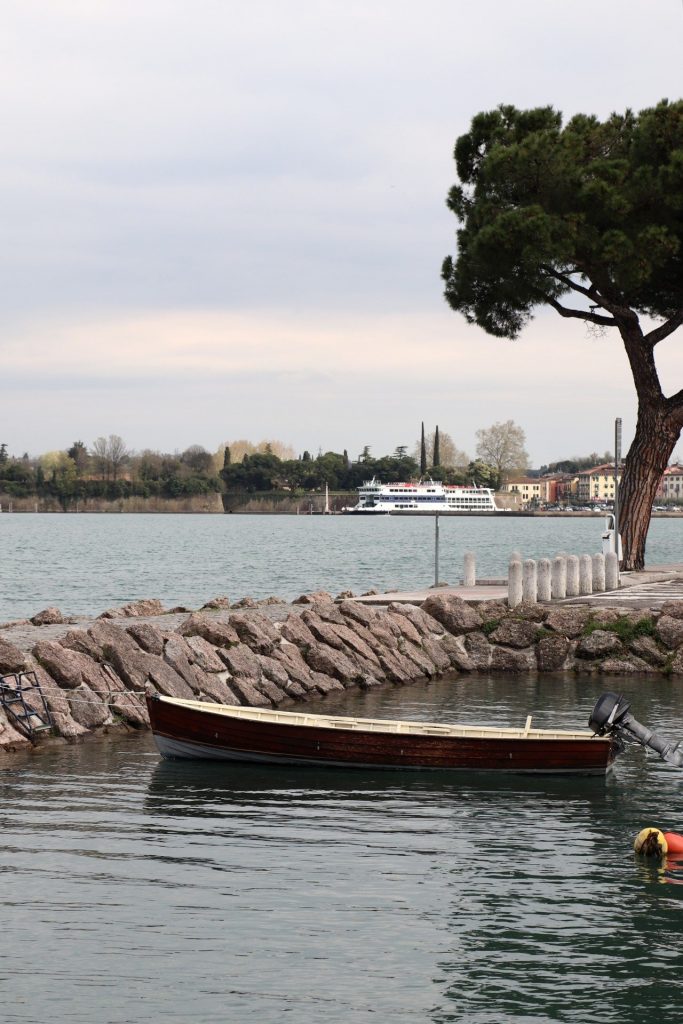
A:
(181, 731)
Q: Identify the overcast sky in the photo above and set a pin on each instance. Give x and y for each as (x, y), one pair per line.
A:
(226, 220)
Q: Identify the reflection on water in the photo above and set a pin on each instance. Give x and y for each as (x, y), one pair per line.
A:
(136, 890)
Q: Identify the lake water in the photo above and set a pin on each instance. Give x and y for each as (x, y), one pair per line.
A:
(86, 563)
(138, 891)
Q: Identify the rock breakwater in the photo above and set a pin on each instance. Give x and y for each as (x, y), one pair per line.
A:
(94, 679)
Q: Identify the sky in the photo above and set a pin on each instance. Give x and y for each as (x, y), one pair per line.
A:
(226, 220)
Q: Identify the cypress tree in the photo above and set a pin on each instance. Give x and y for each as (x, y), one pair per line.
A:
(436, 461)
(423, 453)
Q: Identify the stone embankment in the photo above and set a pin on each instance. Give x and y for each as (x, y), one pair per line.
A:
(94, 678)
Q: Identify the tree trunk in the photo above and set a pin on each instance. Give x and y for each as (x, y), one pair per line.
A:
(655, 439)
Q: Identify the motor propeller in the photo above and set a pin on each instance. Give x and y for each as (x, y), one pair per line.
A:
(612, 714)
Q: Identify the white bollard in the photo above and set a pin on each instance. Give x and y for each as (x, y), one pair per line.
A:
(544, 587)
(516, 556)
(469, 578)
(559, 578)
(529, 582)
(514, 584)
(611, 571)
(585, 574)
(572, 576)
(598, 573)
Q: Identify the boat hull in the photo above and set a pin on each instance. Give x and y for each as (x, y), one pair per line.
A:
(184, 732)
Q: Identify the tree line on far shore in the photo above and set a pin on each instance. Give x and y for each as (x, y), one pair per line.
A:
(109, 470)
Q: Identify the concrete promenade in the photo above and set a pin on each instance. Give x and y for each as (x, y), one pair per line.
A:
(649, 588)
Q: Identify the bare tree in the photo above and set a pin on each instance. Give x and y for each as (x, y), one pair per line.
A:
(502, 447)
(118, 454)
(110, 454)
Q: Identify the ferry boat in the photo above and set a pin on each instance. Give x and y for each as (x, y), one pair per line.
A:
(425, 496)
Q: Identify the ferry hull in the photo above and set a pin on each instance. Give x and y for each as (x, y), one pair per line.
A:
(181, 731)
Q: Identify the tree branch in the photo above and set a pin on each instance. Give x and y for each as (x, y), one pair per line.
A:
(664, 330)
(591, 293)
(581, 314)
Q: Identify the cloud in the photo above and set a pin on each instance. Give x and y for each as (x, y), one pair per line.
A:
(234, 218)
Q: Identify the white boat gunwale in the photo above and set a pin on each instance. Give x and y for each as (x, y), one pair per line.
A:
(381, 725)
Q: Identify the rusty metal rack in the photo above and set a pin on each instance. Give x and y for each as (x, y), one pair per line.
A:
(31, 718)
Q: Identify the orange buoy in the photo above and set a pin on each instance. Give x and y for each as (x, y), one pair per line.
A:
(674, 842)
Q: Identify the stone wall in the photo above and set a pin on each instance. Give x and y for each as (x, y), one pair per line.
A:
(94, 679)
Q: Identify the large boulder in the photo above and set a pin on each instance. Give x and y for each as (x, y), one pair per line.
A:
(331, 662)
(295, 631)
(218, 633)
(514, 633)
(479, 651)
(457, 650)
(147, 607)
(626, 666)
(424, 623)
(323, 684)
(294, 665)
(248, 694)
(383, 637)
(63, 664)
(274, 671)
(48, 617)
(81, 641)
(404, 627)
(552, 653)
(204, 654)
(314, 598)
(568, 621)
(599, 644)
(271, 690)
(180, 656)
(242, 663)
(453, 613)
(148, 636)
(87, 709)
(328, 612)
(645, 647)
(357, 611)
(323, 632)
(670, 631)
(673, 608)
(55, 698)
(11, 740)
(397, 667)
(505, 659)
(358, 646)
(12, 659)
(256, 631)
(435, 652)
(424, 666)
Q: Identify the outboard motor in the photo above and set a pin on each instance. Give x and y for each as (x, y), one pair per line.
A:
(612, 714)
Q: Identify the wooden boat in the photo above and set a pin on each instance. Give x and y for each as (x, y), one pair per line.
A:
(223, 732)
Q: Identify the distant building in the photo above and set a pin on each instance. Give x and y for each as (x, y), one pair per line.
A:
(544, 490)
(671, 484)
(597, 484)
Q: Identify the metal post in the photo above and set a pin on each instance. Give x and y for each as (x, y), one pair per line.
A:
(617, 460)
(436, 549)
